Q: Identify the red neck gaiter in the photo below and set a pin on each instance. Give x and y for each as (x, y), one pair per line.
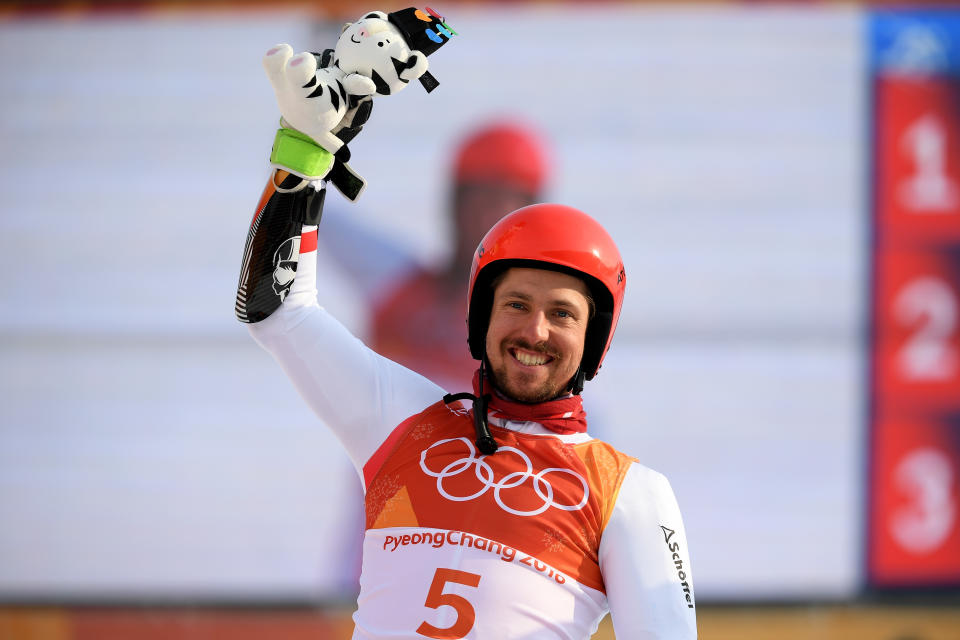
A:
(563, 415)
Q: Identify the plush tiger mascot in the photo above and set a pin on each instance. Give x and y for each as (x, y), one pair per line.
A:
(324, 98)
(324, 101)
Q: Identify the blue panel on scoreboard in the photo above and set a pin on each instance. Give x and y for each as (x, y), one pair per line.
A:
(915, 42)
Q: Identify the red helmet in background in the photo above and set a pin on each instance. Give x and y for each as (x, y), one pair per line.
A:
(502, 153)
(558, 238)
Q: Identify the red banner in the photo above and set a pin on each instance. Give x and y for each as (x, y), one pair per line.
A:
(914, 482)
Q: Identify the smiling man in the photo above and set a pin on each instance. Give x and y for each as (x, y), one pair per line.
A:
(492, 514)
(535, 337)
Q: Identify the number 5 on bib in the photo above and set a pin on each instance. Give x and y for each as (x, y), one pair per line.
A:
(436, 598)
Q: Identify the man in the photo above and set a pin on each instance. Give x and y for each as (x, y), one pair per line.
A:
(490, 514)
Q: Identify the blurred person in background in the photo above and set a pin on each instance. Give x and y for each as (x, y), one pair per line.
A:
(417, 311)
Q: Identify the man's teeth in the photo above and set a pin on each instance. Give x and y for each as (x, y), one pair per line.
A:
(530, 360)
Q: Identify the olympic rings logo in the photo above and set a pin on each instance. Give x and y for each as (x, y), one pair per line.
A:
(484, 474)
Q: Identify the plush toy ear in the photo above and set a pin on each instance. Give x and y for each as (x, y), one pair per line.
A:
(359, 85)
(417, 69)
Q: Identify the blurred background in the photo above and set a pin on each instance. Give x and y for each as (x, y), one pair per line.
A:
(783, 181)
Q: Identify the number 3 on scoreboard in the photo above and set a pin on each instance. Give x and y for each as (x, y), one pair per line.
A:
(436, 598)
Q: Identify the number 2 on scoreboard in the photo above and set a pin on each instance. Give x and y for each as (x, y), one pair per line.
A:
(436, 598)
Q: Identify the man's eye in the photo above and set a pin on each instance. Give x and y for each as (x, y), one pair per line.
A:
(515, 305)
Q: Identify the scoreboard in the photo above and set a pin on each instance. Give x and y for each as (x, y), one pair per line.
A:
(914, 431)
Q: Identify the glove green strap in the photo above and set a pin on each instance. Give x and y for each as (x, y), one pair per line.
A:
(299, 154)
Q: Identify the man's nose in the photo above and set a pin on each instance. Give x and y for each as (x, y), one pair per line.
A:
(537, 329)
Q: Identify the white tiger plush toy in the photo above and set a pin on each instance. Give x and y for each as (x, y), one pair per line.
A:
(372, 55)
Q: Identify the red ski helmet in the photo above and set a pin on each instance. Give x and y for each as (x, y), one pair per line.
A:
(557, 238)
(502, 153)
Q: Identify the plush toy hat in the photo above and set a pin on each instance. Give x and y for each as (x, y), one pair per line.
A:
(425, 31)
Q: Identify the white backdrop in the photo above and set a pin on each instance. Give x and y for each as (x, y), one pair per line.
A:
(148, 449)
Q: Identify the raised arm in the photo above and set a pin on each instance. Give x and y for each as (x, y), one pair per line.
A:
(357, 393)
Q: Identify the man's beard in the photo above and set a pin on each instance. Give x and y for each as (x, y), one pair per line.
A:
(549, 390)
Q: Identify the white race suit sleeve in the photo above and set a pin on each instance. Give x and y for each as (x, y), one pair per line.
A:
(645, 562)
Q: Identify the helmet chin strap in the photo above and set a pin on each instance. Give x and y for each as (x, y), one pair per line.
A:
(577, 381)
(485, 442)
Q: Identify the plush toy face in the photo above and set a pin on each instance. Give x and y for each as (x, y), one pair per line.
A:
(375, 48)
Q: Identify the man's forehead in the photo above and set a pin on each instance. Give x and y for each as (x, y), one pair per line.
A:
(530, 281)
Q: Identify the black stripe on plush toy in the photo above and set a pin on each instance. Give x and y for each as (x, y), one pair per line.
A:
(316, 92)
(382, 87)
(399, 67)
